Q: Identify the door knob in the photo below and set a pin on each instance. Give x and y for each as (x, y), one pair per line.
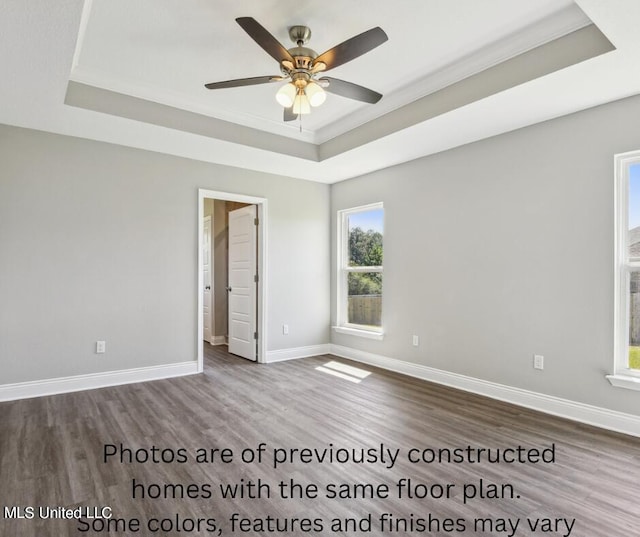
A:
(208, 287)
(229, 289)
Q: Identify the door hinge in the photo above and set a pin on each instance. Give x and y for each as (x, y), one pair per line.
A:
(256, 221)
(256, 278)
(255, 335)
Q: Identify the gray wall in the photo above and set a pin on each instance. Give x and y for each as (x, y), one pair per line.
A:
(220, 266)
(493, 252)
(99, 241)
(502, 249)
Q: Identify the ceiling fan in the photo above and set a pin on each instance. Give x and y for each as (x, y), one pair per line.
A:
(300, 67)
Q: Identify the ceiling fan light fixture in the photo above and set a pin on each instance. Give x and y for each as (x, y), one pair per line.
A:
(286, 95)
(318, 67)
(301, 104)
(315, 94)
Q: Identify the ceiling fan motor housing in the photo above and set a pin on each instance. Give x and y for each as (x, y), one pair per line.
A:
(303, 56)
(300, 35)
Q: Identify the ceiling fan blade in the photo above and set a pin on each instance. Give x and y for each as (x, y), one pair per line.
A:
(351, 90)
(243, 82)
(260, 35)
(289, 115)
(352, 48)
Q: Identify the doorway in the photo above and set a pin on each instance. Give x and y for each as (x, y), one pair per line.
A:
(245, 283)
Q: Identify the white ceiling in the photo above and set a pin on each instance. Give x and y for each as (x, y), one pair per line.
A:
(164, 51)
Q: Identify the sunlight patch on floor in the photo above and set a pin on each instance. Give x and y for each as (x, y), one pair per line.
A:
(344, 371)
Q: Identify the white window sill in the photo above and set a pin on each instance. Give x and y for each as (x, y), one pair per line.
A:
(624, 381)
(369, 334)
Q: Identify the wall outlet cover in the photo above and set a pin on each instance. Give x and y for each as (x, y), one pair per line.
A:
(538, 361)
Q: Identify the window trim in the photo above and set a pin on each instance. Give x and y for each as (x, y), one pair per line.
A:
(623, 376)
(342, 326)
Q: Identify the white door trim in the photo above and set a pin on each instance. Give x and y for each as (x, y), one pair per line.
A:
(261, 203)
(211, 298)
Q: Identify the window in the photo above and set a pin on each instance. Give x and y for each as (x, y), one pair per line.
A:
(627, 274)
(359, 283)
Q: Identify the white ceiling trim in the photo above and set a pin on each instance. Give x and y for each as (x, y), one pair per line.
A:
(539, 33)
(40, 38)
(162, 96)
(567, 50)
(175, 100)
(561, 23)
(82, 31)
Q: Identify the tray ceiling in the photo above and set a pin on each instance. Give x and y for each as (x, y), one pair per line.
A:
(451, 72)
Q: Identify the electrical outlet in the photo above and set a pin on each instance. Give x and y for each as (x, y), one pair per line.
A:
(416, 341)
(101, 347)
(285, 329)
(538, 361)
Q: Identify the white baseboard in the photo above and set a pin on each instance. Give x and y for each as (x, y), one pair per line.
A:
(38, 388)
(218, 340)
(297, 352)
(592, 415)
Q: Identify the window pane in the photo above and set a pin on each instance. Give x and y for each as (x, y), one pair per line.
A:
(634, 321)
(365, 238)
(365, 298)
(634, 210)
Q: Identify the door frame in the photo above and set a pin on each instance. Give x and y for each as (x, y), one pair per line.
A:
(261, 322)
(212, 319)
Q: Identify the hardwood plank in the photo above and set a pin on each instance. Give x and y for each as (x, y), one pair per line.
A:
(51, 449)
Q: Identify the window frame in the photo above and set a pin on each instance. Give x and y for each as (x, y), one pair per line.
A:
(623, 376)
(343, 270)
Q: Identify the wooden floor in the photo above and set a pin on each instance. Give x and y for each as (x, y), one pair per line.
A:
(51, 454)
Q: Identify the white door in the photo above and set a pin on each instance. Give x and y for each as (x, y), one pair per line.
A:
(242, 285)
(207, 314)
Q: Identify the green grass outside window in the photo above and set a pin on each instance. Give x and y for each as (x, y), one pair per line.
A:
(634, 357)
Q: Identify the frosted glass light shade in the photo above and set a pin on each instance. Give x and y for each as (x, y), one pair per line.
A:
(286, 95)
(315, 93)
(301, 104)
